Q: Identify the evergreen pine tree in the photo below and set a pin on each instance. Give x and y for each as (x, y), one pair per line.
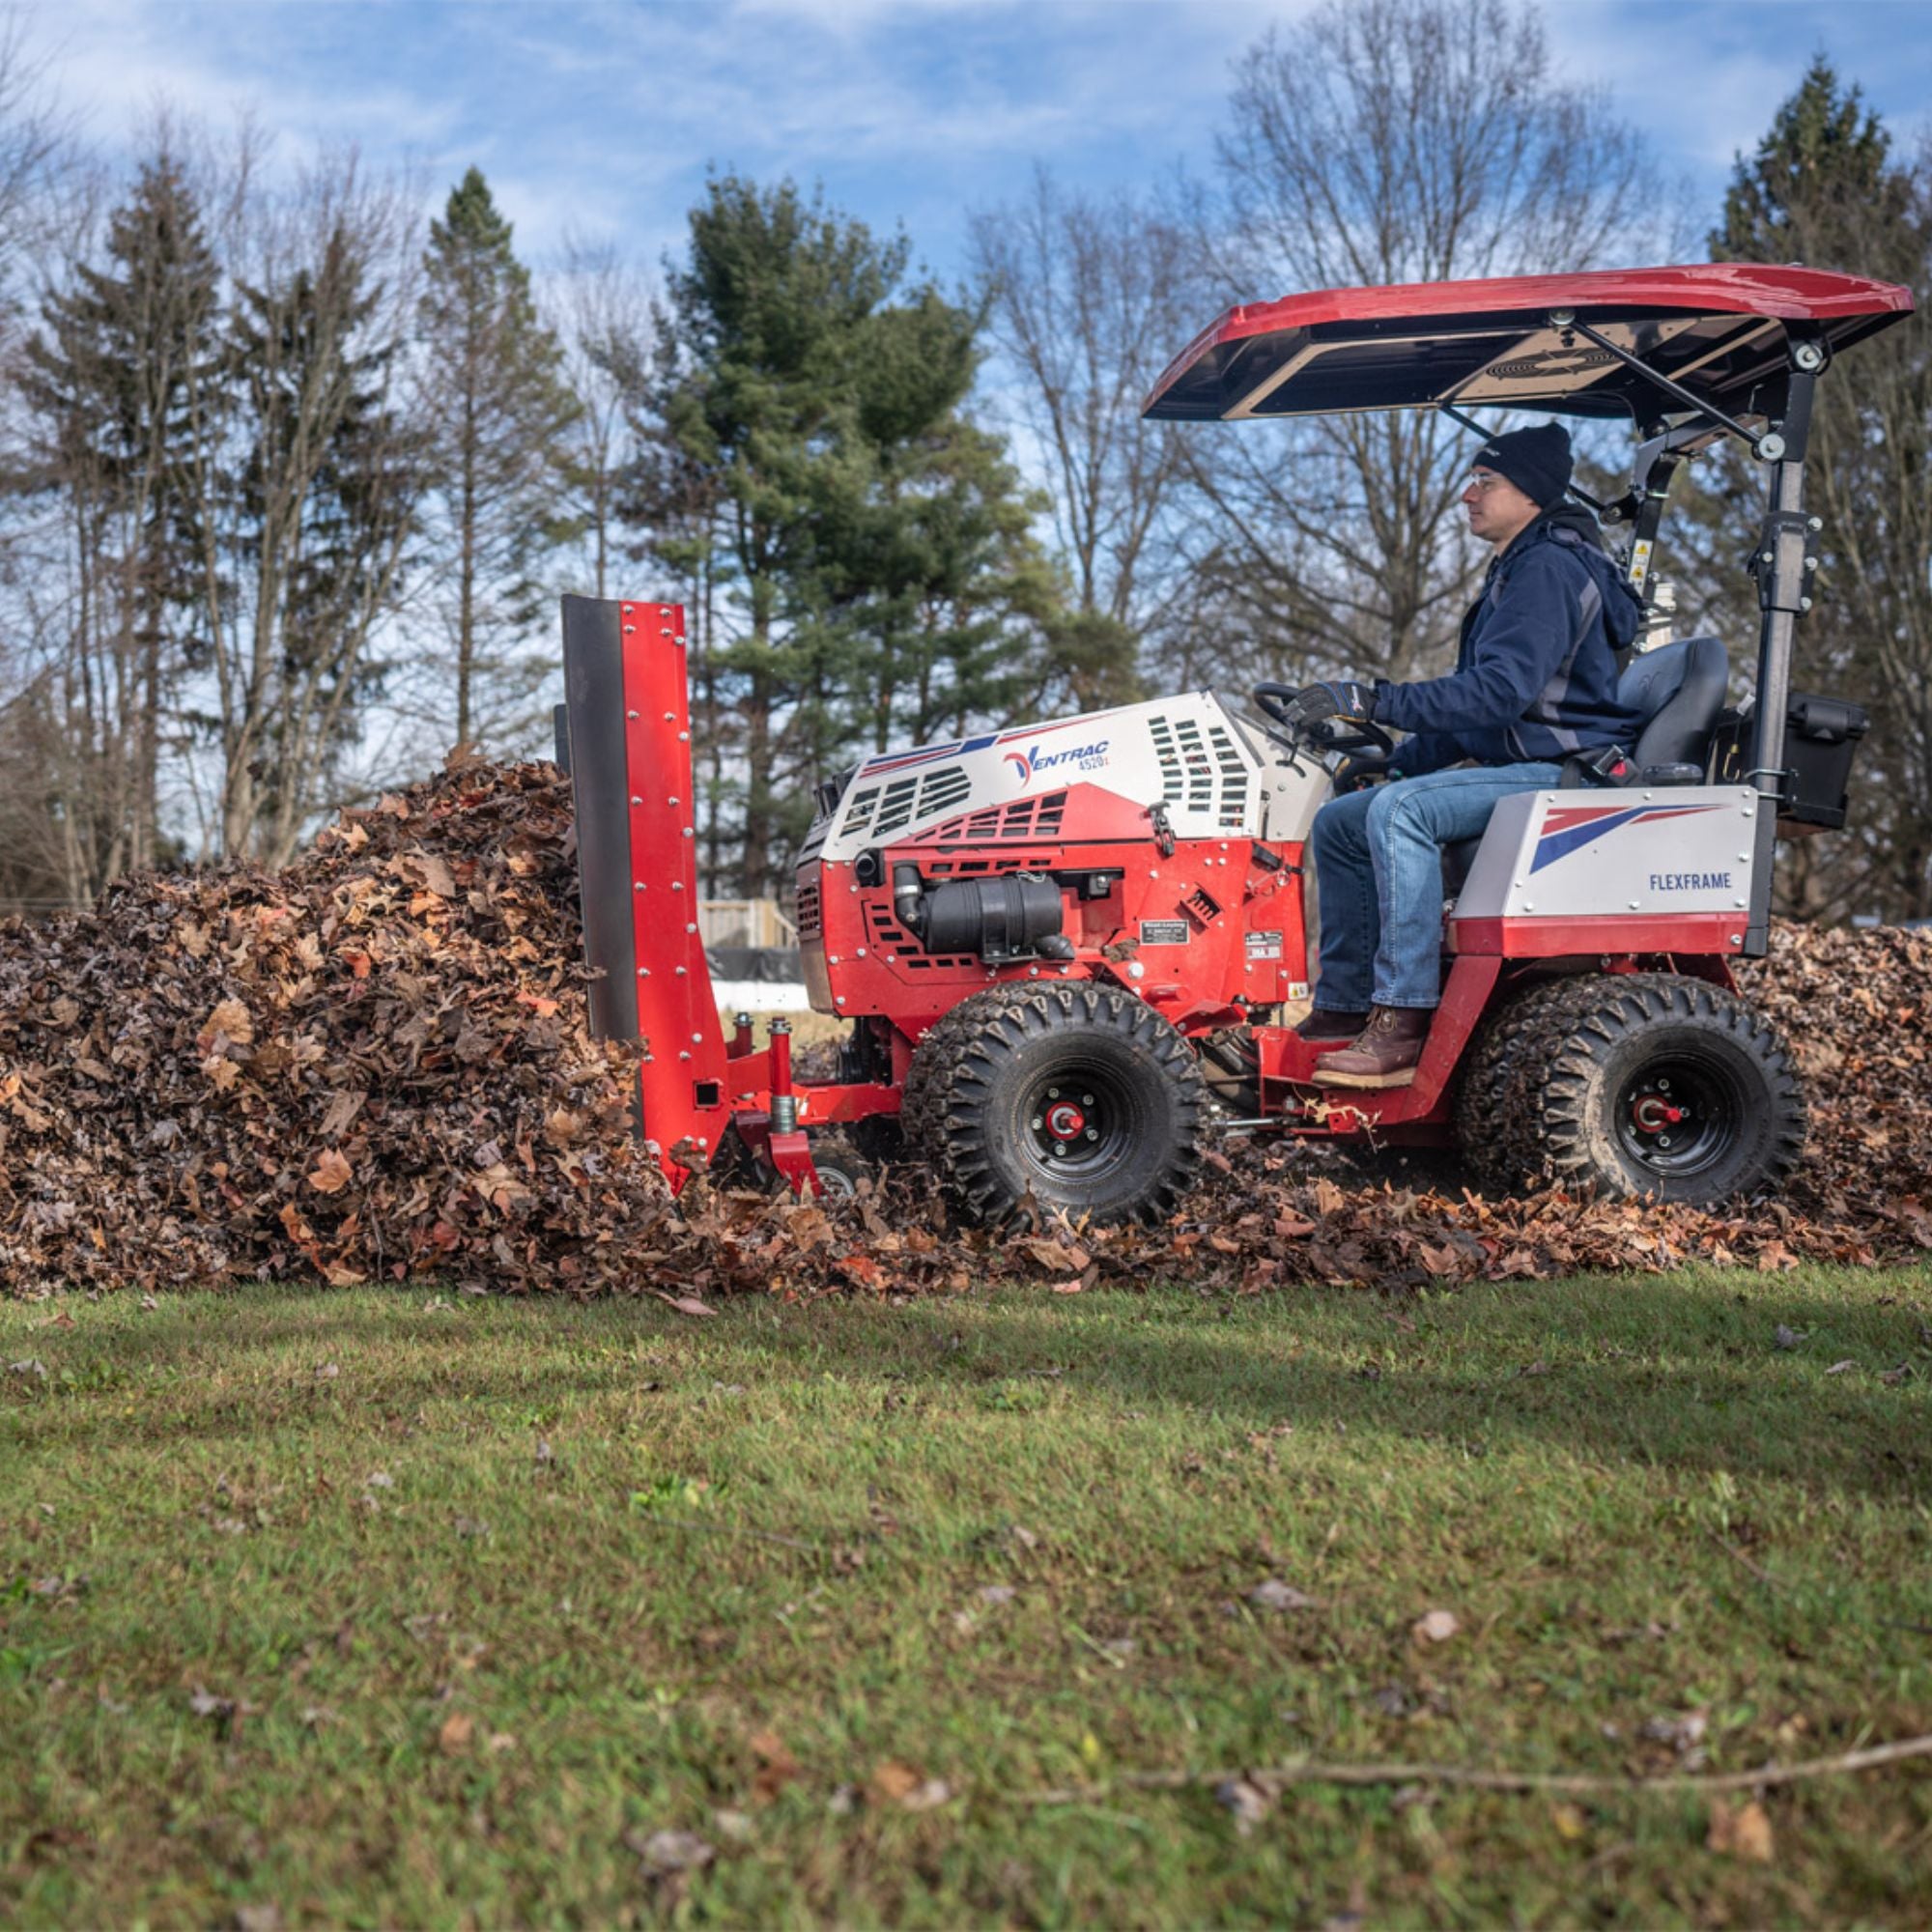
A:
(122, 377)
(501, 418)
(861, 554)
(1824, 188)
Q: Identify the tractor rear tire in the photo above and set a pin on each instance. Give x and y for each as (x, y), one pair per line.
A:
(1641, 1085)
(1080, 1097)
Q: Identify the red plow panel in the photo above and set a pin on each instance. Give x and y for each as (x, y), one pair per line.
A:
(631, 771)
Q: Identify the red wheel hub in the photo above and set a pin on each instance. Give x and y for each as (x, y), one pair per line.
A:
(1651, 1114)
(1063, 1120)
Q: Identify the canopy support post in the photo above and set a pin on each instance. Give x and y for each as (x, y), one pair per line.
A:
(1781, 564)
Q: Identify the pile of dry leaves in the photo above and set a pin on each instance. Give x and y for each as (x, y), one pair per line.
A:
(377, 1064)
(373, 1063)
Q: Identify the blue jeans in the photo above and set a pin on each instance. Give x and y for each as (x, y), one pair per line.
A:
(1378, 872)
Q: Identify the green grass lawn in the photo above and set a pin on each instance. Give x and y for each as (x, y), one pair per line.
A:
(368, 1608)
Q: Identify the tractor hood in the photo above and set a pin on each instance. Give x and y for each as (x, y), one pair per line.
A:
(1719, 329)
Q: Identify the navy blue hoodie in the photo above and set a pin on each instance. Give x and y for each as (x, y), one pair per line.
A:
(1535, 678)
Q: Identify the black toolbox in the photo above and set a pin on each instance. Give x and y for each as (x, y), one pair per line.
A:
(1820, 738)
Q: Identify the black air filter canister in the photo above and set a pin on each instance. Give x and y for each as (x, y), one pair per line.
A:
(997, 919)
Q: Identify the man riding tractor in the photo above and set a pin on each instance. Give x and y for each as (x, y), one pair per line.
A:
(1535, 685)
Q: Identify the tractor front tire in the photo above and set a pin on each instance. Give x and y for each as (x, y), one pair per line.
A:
(1079, 1097)
(1641, 1085)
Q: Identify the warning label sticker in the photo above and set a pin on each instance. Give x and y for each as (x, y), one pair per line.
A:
(1163, 932)
(1264, 946)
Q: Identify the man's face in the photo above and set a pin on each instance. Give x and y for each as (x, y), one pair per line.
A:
(1498, 510)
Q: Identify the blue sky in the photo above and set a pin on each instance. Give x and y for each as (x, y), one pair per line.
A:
(600, 118)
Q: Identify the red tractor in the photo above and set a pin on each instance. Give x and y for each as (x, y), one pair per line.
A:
(1069, 948)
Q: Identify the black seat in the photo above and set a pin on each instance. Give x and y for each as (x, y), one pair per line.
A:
(1676, 692)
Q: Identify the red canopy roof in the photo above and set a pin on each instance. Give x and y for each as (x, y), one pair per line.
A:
(1717, 327)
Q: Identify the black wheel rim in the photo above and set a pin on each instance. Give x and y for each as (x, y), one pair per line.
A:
(1679, 1115)
(1080, 1125)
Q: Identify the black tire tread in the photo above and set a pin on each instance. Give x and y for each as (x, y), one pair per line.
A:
(943, 1114)
(1523, 1108)
(1499, 1144)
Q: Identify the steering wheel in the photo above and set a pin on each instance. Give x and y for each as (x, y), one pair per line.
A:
(1325, 734)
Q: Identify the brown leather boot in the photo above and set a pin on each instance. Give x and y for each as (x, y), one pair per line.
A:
(1336, 1026)
(1386, 1054)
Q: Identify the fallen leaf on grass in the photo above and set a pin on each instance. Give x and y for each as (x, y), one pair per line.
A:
(685, 1305)
(666, 1852)
(1840, 1367)
(453, 1737)
(776, 1767)
(1742, 1834)
(1436, 1627)
(1686, 1732)
(1275, 1594)
(907, 1787)
(1246, 1800)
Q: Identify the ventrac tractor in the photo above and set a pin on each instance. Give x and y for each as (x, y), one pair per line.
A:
(1065, 951)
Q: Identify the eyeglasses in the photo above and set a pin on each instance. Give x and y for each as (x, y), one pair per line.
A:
(1481, 484)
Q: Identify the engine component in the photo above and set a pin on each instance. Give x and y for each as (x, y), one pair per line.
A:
(1015, 916)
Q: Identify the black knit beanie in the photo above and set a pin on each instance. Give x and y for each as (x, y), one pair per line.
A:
(1536, 460)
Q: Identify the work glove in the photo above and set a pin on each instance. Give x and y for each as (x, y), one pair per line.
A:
(1338, 697)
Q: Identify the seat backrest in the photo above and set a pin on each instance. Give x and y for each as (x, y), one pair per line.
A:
(1677, 692)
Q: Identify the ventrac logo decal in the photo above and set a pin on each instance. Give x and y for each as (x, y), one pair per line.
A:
(1569, 828)
(1083, 757)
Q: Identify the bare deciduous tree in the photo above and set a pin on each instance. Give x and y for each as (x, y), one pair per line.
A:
(605, 321)
(211, 488)
(1090, 297)
(309, 467)
(1380, 142)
